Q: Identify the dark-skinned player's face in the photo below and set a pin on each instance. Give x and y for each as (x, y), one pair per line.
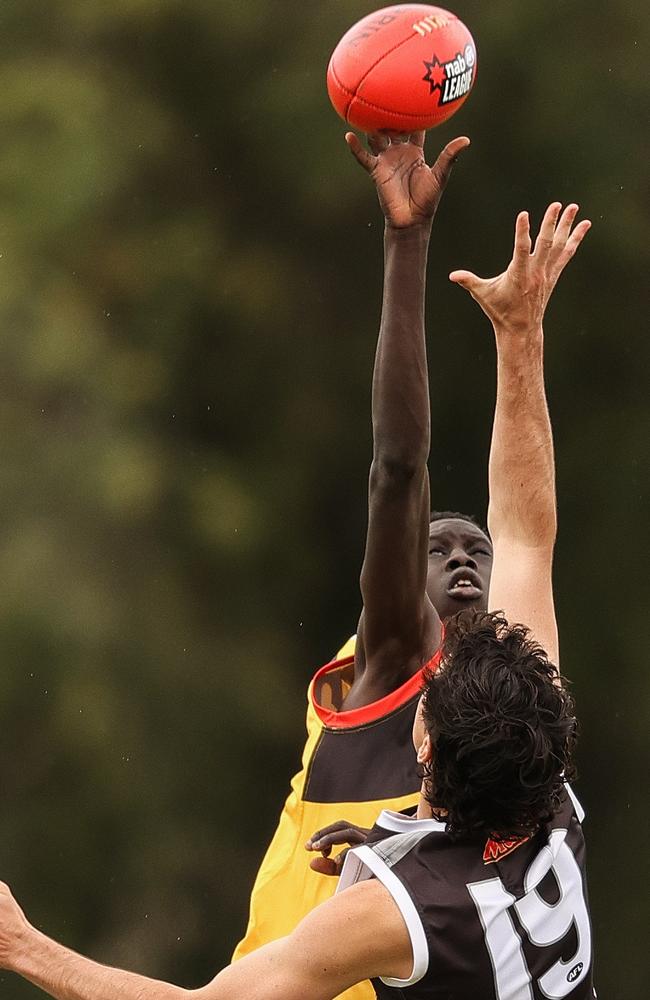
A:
(460, 564)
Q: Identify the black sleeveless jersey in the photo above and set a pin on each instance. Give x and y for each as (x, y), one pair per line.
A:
(487, 921)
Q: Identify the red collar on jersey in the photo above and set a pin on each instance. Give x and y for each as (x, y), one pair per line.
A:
(376, 709)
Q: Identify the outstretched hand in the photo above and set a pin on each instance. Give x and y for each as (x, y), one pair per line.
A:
(323, 840)
(409, 190)
(516, 300)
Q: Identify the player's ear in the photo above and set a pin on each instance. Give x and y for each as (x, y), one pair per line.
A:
(424, 750)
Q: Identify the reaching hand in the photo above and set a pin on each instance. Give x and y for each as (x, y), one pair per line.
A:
(516, 300)
(409, 190)
(323, 840)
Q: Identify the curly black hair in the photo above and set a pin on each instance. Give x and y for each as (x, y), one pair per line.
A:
(502, 730)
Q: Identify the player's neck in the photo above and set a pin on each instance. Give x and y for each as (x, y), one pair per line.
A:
(424, 810)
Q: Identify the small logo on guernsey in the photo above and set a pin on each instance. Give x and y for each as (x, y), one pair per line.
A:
(497, 849)
(452, 79)
(575, 972)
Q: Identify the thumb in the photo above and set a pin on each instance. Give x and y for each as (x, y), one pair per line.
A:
(466, 280)
(324, 866)
(361, 155)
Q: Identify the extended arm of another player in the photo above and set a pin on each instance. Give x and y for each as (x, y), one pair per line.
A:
(354, 936)
(522, 508)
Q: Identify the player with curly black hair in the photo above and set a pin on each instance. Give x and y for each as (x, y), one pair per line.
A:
(502, 727)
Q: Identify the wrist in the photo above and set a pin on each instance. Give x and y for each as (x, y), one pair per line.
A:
(19, 955)
(410, 244)
(518, 336)
(416, 232)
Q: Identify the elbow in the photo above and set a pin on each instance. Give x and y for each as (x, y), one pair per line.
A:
(539, 532)
(388, 473)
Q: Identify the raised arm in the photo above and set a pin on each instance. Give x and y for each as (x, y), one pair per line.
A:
(399, 628)
(522, 511)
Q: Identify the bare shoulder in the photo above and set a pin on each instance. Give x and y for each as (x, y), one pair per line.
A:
(356, 935)
(366, 927)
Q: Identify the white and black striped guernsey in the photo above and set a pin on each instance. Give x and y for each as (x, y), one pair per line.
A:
(495, 921)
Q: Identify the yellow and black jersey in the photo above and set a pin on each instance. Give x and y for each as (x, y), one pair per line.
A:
(354, 764)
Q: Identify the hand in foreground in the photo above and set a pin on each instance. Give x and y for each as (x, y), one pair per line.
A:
(409, 190)
(516, 300)
(323, 840)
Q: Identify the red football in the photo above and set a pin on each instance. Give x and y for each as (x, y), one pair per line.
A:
(403, 68)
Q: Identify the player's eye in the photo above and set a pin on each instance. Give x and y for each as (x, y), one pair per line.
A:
(435, 550)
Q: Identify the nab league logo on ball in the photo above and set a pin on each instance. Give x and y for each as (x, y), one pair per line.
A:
(451, 79)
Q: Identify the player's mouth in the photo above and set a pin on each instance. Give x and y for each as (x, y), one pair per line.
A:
(465, 585)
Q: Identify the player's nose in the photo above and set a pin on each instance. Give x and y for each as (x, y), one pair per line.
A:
(459, 558)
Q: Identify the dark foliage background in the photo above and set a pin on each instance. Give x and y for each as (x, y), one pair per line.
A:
(190, 272)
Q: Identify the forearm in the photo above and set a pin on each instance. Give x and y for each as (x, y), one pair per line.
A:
(398, 631)
(521, 468)
(68, 976)
(400, 391)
